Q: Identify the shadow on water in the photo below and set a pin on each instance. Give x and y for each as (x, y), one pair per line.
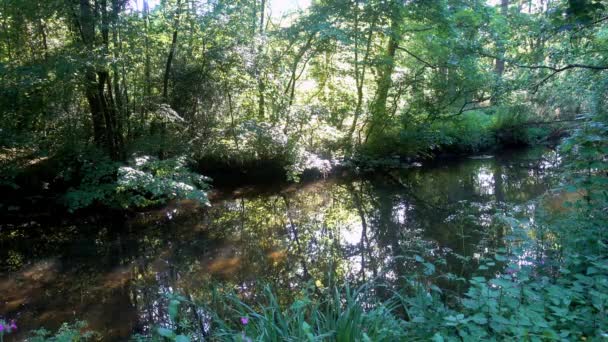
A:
(114, 273)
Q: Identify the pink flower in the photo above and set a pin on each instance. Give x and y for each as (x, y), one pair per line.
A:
(244, 320)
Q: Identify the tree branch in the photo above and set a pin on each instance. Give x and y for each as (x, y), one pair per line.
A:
(555, 69)
(417, 58)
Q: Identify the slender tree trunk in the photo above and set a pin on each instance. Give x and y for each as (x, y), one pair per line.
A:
(263, 9)
(45, 46)
(360, 75)
(499, 66)
(362, 247)
(109, 98)
(163, 125)
(294, 231)
(261, 98)
(498, 183)
(120, 109)
(261, 85)
(291, 86)
(232, 122)
(171, 52)
(147, 81)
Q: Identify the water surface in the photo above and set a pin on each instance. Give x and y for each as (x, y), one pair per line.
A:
(114, 272)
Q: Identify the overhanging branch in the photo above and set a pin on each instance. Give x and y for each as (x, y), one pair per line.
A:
(417, 58)
(555, 69)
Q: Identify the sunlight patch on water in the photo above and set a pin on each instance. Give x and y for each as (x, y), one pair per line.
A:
(350, 232)
(485, 181)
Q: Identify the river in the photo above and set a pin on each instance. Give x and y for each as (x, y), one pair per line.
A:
(114, 272)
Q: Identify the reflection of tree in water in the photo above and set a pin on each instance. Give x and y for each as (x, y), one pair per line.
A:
(115, 274)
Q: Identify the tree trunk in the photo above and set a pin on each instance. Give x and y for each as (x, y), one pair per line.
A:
(499, 66)
(147, 80)
(87, 32)
(106, 134)
(384, 82)
(261, 85)
(45, 47)
(163, 125)
(360, 76)
(171, 52)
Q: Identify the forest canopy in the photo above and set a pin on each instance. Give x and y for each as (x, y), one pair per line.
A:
(229, 85)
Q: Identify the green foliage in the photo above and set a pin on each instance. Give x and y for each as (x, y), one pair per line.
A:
(381, 82)
(466, 133)
(385, 78)
(469, 133)
(248, 142)
(97, 174)
(148, 180)
(320, 313)
(143, 182)
(75, 332)
(179, 323)
(511, 126)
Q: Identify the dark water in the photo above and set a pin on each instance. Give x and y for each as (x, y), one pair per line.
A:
(114, 272)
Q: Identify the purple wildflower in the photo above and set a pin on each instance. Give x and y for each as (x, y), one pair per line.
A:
(244, 320)
(1, 327)
(13, 325)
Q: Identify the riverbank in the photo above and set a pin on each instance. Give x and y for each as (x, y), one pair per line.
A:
(39, 187)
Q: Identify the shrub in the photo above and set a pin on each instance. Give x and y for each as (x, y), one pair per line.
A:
(466, 133)
(144, 181)
(511, 127)
(75, 332)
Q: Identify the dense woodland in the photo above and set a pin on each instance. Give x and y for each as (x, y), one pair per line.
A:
(224, 85)
(127, 104)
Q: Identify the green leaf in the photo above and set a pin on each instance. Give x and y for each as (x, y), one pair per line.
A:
(437, 338)
(173, 309)
(479, 319)
(166, 333)
(182, 338)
